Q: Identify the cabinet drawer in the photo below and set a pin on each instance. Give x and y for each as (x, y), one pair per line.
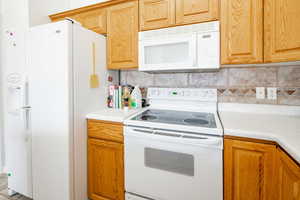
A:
(105, 130)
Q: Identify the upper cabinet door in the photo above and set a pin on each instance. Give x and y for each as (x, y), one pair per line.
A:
(196, 11)
(156, 14)
(282, 30)
(122, 35)
(242, 31)
(94, 20)
(288, 175)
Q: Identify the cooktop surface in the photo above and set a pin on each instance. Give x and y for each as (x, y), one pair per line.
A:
(198, 119)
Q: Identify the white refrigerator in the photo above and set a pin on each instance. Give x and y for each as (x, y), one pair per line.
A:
(51, 99)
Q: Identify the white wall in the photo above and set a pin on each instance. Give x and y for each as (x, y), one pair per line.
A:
(81, 3)
(40, 9)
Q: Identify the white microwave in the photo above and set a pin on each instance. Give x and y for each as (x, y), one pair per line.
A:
(184, 48)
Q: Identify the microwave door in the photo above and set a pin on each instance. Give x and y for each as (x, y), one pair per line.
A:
(209, 58)
(168, 53)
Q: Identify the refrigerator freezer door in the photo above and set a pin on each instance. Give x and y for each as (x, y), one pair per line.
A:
(17, 135)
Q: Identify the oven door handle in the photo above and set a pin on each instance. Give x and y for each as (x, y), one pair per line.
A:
(174, 137)
(190, 138)
(138, 130)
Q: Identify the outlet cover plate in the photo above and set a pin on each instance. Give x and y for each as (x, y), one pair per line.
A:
(272, 93)
(260, 93)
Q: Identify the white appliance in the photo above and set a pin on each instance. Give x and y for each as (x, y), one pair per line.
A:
(183, 48)
(51, 98)
(174, 148)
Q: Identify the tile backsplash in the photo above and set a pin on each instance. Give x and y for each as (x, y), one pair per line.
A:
(233, 84)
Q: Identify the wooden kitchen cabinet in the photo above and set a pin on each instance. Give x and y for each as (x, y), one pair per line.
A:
(288, 177)
(195, 11)
(248, 170)
(156, 14)
(106, 170)
(105, 160)
(106, 130)
(282, 30)
(94, 20)
(122, 35)
(242, 31)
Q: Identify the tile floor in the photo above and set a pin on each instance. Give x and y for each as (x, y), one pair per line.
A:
(3, 190)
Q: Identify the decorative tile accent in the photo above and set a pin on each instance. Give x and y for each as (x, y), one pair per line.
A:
(221, 91)
(233, 91)
(290, 91)
(244, 91)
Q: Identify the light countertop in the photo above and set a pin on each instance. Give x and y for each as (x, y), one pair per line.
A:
(113, 115)
(280, 124)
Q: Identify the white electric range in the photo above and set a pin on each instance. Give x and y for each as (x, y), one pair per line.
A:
(174, 148)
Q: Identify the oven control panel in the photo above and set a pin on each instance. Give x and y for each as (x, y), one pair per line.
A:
(183, 94)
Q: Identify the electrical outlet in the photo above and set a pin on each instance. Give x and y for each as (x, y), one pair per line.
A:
(272, 93)
(260, 93)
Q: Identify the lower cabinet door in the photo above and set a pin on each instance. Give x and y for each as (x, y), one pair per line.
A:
(288, 177)
(105, 170)
(248, 170)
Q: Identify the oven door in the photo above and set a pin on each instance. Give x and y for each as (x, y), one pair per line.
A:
(168, 53)
(165, 165)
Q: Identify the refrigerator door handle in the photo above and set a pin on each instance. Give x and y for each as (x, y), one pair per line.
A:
(26, 118)
(26, 108)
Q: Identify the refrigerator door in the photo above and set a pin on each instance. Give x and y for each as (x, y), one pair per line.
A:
(50, 97)
(60, 65)
(17, 135)
(86, 99)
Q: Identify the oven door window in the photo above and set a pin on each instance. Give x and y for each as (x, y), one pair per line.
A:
(175, 162)
(167, 53)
